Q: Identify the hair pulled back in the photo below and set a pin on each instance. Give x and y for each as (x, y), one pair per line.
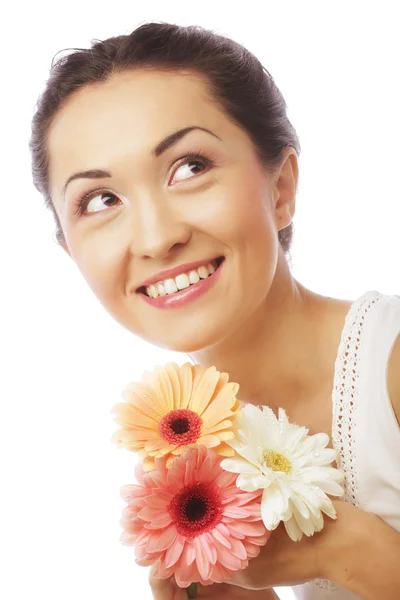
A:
(238, 83)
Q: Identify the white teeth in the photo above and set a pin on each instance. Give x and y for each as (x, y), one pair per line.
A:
(182, 281)
(153, 291)
(161, 289)
(210, 268)
(170, 286)
(194, 277)
(202, 271)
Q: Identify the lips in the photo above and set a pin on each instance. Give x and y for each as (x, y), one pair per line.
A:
(171, 273)
(186, 296)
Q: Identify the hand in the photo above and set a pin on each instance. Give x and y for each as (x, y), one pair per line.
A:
(167, 589)
(224, 591)
(282, 562)
(325, 555)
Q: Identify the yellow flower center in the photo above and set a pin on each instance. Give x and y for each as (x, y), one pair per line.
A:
(277, 461)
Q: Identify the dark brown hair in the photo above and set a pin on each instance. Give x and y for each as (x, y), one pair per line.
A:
(238, 83)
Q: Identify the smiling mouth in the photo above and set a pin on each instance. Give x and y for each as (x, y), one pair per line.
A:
(218, 261)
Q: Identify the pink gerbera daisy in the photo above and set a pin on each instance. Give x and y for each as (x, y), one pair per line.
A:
(192, 519)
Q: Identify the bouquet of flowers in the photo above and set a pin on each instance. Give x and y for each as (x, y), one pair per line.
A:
(215, 476)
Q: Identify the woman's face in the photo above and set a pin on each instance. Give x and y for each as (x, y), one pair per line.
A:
(151, 212)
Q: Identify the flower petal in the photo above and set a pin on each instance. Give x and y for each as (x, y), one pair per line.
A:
(325, 457)
(236, 512)
(186, 574)
(318, 521)
(220, 537)
(238, 549)
(238, 465)
(160, 521)
(220, 574)
(204, 390)
(224, 450)
(160, 500)
(226, 435)
(162, 541)
(221, 405)
(128, 414)
(137, 434)
(293, 437)
(164, 388)
(217, 549)
(246, 451)
(293, 530)
(148, 464)
(190, 553)
(186, 381)
(306, 525)
(174, 552)
(227, 559)
(251, 483)
(130, 491)
(144, 398)
(207, 543)
(225, 424)
(173, 373)
(157, 444)
(210, 441)
(300, 505)
(326, 478)
(202, 562)
(273, 504)
(203, 473)
(241, 529)
(310, 497)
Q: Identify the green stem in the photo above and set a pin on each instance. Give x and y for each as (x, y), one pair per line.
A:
(192, 590)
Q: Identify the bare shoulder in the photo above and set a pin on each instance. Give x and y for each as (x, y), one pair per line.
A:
(393, 378)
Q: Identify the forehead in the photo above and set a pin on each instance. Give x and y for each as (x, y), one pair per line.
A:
(130, 112)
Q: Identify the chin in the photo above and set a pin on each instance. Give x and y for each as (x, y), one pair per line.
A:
(195, 338)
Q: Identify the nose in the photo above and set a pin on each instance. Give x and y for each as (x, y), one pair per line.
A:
(157, 230)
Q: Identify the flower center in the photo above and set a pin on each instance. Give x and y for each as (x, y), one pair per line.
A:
(180, 427)
(196, 509)
(277, 461)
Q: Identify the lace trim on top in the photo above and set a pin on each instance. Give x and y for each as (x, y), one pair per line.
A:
(345, 402)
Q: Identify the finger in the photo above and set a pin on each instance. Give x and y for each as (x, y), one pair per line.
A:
(238, 580)
(165, 589)
(225, 591)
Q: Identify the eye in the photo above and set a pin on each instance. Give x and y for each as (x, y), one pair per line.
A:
(86, 206)
(191, 160)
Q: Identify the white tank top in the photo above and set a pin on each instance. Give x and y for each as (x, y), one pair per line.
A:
(365, 431)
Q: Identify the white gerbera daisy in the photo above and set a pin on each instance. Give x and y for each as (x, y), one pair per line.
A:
(291, 466)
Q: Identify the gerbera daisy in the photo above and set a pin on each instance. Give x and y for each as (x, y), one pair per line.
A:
(174, 408)
(290, 466)
(192, 520)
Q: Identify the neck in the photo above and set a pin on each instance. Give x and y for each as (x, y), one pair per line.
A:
(278, 354)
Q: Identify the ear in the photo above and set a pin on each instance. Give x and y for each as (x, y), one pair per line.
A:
(285, 188)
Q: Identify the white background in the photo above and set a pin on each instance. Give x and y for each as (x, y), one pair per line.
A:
(65, 360)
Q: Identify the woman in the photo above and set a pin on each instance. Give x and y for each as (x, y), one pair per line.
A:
(197, 261)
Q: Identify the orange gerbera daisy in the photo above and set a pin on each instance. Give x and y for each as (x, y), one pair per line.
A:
(175, 408)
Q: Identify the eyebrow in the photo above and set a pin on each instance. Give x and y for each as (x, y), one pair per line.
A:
(166, 143)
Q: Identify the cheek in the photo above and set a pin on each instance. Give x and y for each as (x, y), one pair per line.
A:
(248, 225)
(249, 232)
(100, 260)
